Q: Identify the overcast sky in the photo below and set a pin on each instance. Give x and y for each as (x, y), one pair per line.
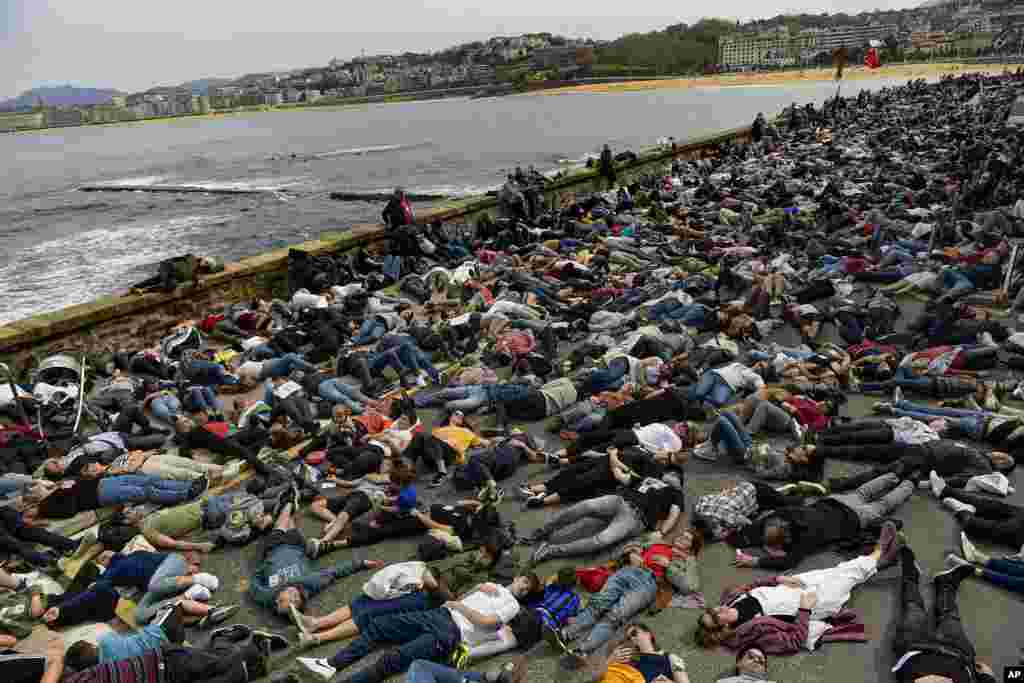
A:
(136, 44)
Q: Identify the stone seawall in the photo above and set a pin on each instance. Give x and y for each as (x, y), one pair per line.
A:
(131, 322)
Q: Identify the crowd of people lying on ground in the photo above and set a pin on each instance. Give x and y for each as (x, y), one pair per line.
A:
(637, 324)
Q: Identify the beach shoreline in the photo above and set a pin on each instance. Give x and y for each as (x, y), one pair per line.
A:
(784, 78)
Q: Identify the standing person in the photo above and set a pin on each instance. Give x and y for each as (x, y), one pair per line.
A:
(606, 166)
(939, 649)
(401, 230)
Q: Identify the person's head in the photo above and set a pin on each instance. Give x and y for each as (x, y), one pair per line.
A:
(399, 193)
(642, 638)
(182, 424)
(192, 561)
(715, 625)
(288, 598)
(751, 660)
(341, 414)
(81, 655)
(798, 455)
(457, 419)
(1003, 462)
(53, 467)
(526, 584)
(488, 554)
(774, 534)
(632, 555)
(691, 540)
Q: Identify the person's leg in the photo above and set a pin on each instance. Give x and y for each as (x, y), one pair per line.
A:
(948, 627)
(835, 584)
(471, 399)
(881, 508)
(1013, 582)
(604, 507)
(165, 491)
(640, 592)
(40, 535)
(914, 626)
(613, 590)
(767, 415)
(625, 524)
(165, 408)
(391, 628)
(726, 438)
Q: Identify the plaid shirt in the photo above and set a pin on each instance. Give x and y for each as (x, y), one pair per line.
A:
(557, 605)
(727, 510)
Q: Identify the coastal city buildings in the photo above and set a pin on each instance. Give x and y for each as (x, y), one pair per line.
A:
(958, 29)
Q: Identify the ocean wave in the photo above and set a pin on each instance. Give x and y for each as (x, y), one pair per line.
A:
(81, 267)
(360, 151)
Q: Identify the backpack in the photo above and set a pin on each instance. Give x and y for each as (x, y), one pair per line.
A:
(237, 528)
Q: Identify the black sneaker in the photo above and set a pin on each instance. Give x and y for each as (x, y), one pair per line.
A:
(235, 633)
(199, 486)
(274, 642)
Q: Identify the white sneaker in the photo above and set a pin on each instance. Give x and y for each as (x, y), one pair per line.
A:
(897, 395)
(1018, 393)
(954, 560)
(971, 554)
(958, 506)
(986, 339)
(318, 667)
(938, 483)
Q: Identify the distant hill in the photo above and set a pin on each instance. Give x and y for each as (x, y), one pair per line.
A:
(60, 96)
(934, 3)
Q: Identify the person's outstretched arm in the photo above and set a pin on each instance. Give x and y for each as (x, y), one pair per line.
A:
(318, 581)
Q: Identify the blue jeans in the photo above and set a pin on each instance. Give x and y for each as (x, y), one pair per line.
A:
(465, 398)
(208, 372)
(692, 315)
(606, 379)
(261, 352)
(970, 422)
(1008, 573)
(711, 388)
(730, 436)
(423, 671)
(165, 408)
(163, 585)
(371, 330)
(283, 366)
(414, 358)
(392, 266)
(203, 398)
(956, 283)
(336, 391)
(625, 594)
(142, 488)
(430, 635)
(364, 608)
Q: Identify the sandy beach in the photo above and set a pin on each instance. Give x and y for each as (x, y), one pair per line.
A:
(894, 71)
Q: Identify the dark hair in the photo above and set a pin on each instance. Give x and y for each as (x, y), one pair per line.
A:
(81, 655)
(535, 583)
(646, 629)
(748, 648)
(493, 548)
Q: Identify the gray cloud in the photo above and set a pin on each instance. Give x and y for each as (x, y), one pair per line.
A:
(136, 45)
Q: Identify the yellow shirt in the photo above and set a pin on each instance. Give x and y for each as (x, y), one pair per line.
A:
(622, 673)
(459, 438)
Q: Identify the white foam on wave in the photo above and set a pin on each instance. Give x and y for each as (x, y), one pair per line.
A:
(369, 149)
(81, 267)
(130, 182)
(454, 191)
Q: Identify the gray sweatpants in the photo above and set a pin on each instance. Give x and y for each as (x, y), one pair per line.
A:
(874, 500)
(621, 522)
(162, 589)
(767, 416)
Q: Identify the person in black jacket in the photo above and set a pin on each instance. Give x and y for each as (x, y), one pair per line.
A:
(398, 218)
(792, 533)
(606, 166)
(944, 651)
